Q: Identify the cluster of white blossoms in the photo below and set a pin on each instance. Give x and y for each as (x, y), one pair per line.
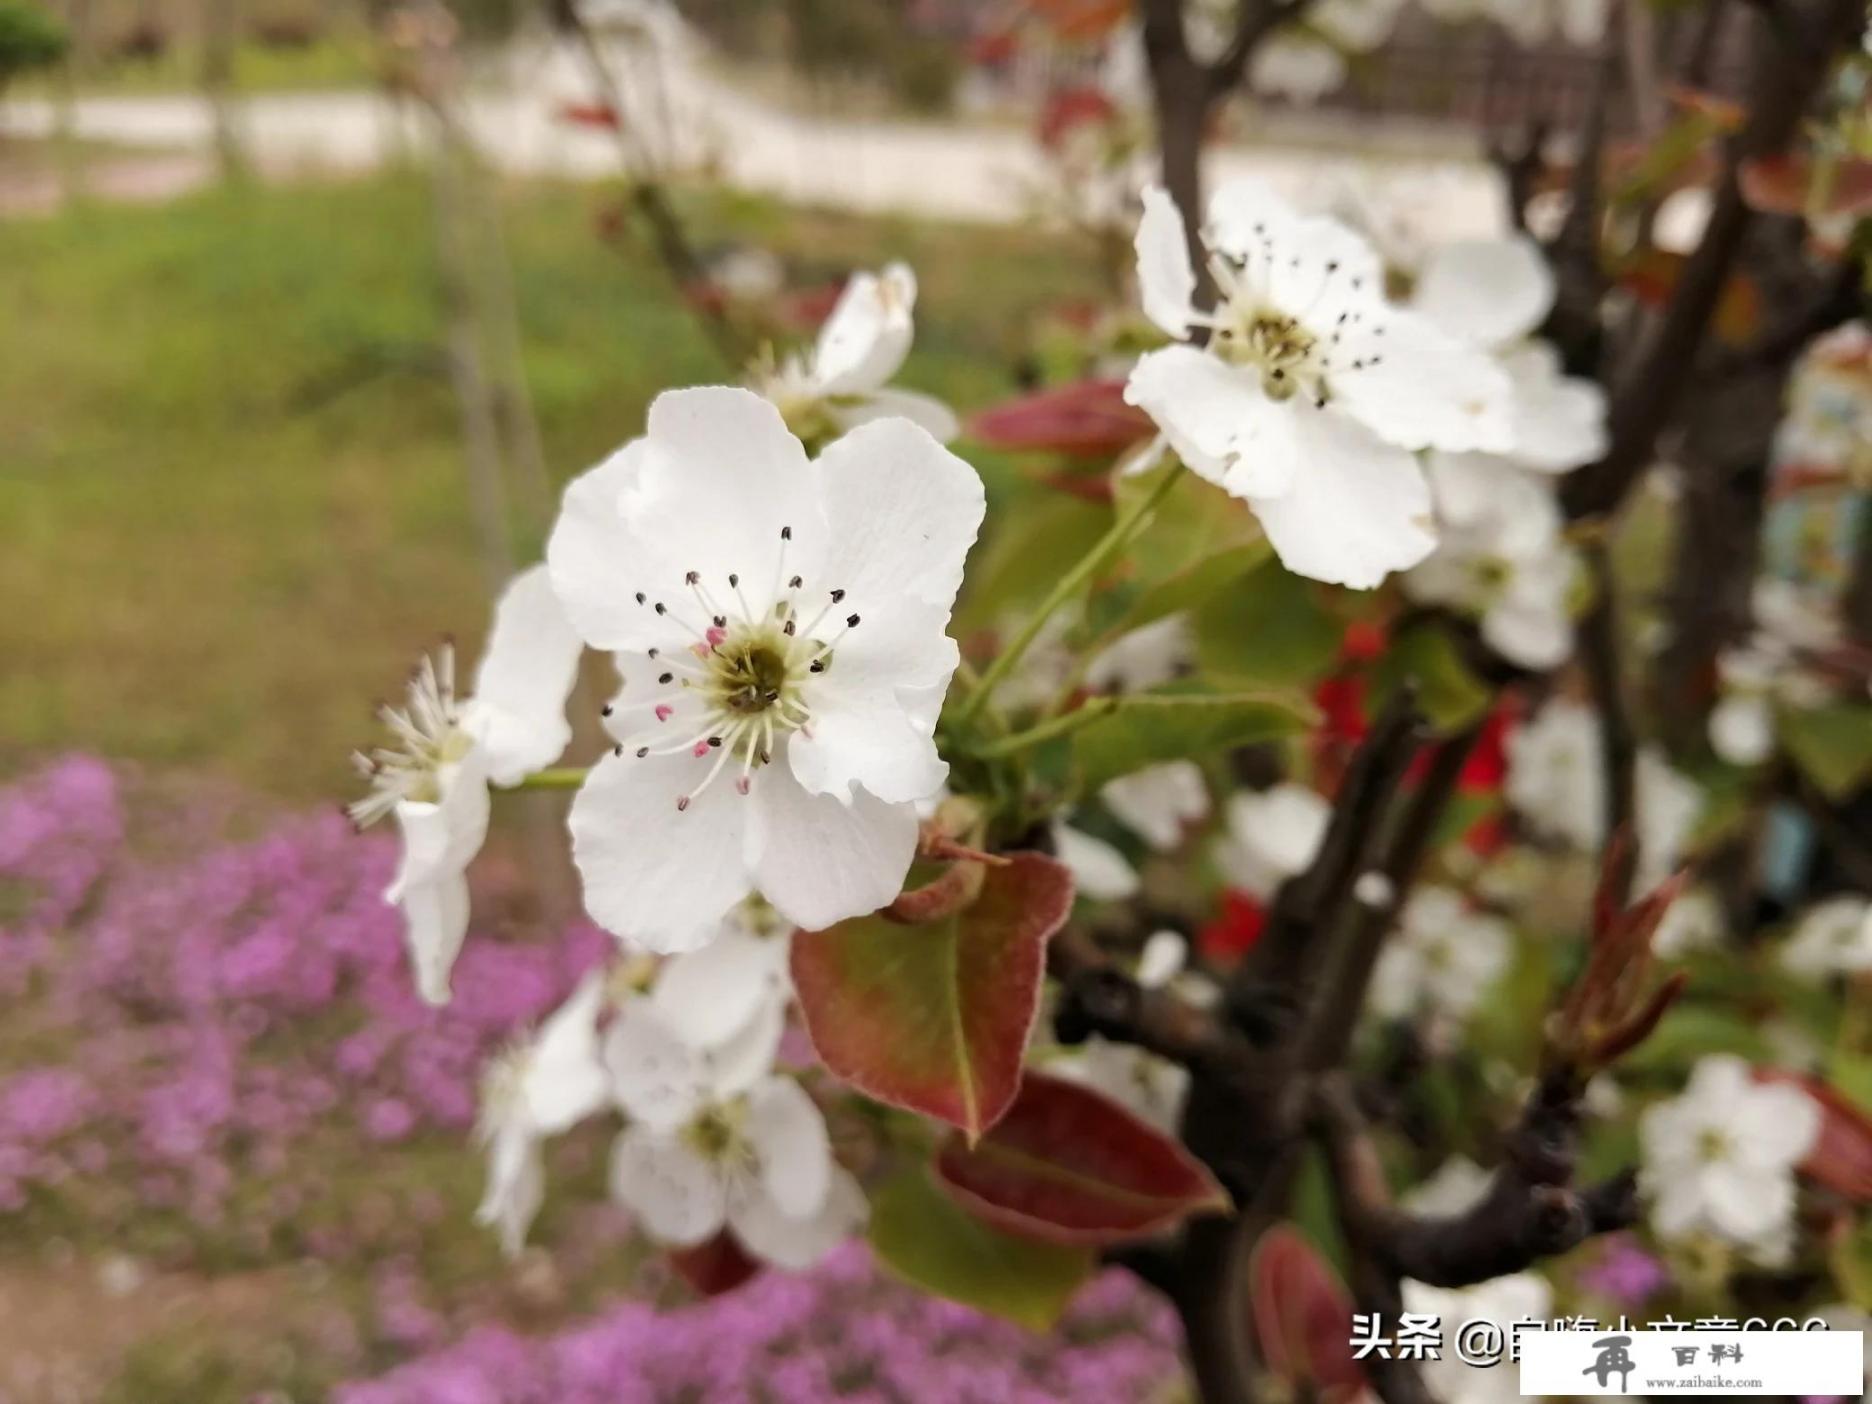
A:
(1313, 393)
(779, 623)
(715, 1137)
(1557, 783)
(1770, 671)
(1158, 804)
(1502, 556)
(1833, 937)
(1442, 959)
(1719, 1159)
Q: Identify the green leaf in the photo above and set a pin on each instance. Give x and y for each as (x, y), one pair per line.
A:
(931, 1242)
(934, 1017)
(1268, 629)
(1039, 541)
(1451, 696)
(1831, 745)
(1688, 1032)
(1149, 727)
(1192, 523)
(1186, 589)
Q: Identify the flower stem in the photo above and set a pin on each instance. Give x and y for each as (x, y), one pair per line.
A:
(1109, 545)
(1063, 725)
(563, 777)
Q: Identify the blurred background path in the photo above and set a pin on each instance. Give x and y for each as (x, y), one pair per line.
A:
(700, 121)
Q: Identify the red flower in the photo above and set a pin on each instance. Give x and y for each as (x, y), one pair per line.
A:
(1235, 930)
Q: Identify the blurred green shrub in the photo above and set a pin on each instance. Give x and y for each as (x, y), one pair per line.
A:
(29, 38)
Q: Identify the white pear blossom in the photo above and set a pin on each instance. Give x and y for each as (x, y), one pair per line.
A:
(1557, 783)
(1501, 559)
(445, 752)
(1313, 392)
(718, 1140)
(1145, 657)
(1494, 294)
(1694, 922)
(1442, 958)
(779, 624)
(845, 382)
(1159, 802)
(1833, 937)
(1152, 1087)
(1720, 1159)
(1099, 870)
(1520, 1297)
(1769, 670)
(539, 1088)
(1272, 835)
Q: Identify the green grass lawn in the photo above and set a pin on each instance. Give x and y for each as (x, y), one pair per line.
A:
(231, 491)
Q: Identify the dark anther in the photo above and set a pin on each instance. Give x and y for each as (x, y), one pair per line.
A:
(837, 595)
(851, 621)
(694, 577)
(787, 629)
(818, 666)
(795, 582)
(640, 597)
(642, 751)
(786, 533)
(714, 741)
(721, 621)
(605, 710)
(733, 580)
(665, 677)
(660, 609)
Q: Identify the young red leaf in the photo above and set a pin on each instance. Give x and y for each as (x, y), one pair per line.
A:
(717, 1266)
(1087, 419)
(1068, 1165)
(934, 1018)
(1841, 1158)
(1302, 1316)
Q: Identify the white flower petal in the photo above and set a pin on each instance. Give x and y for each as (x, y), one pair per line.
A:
(435, 917)
(902, 512)
(721, 478)
(1162, 959)
(522, 681)
(713, 993)
(594, 573)
(1218, 420)
(1417, 387)
(1312, 267)
(564, 1078)
(1487, 292)
(1781, 1125)
(1745, 1207)
(1357, 511)
(431, 885)
(864, 341)
(659, 1078)
(788, 1133)
(1741, 729)
(928, 413)
(861, 733)
(798, 1243)
(1099, 870)
(678, 1195)
(1155, 803)
(660, 877)
(1166, 282)
(1273, 835)
(1559, 421)
(821, 860)
(516, 1188)
(747, 1055)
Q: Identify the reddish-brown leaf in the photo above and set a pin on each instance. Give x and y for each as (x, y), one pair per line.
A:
(1794, 183)
(717, 1266)
(1302, 1316)
(1841, 1158)
(1086, 419)
(934, 1018)
(1652, 277)
(1068, 1165)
